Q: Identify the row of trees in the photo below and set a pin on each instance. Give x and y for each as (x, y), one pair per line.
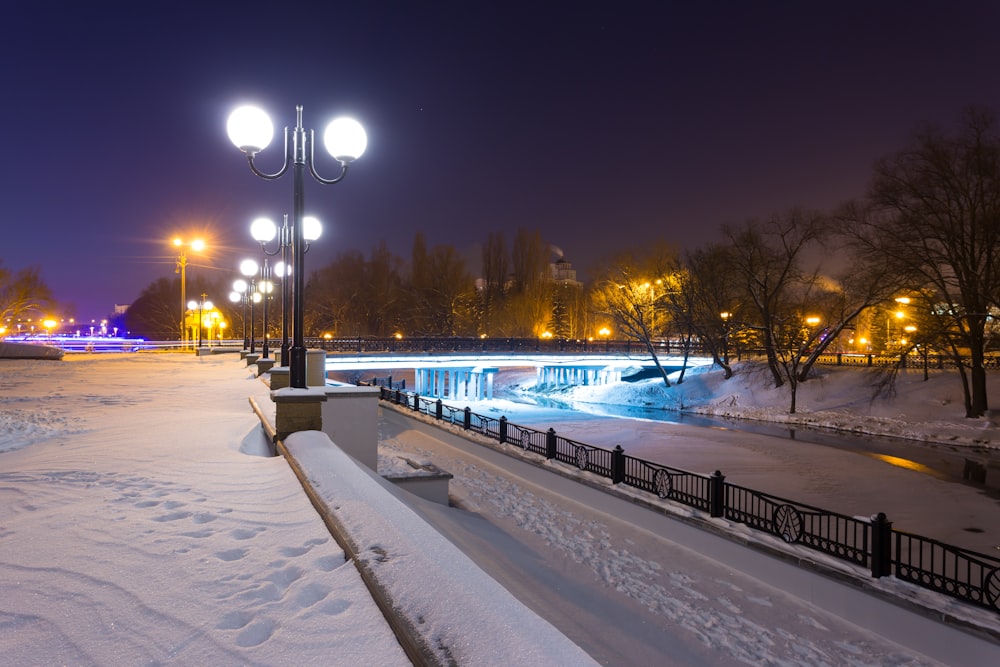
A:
(926, 234)
(789, 286)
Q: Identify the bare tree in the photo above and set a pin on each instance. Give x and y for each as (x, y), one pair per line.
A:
(22, 293)
(626, 292)
(768, 257)
(710, 286)
(529, 297)
(440, 291)
(933, 215)
(496, 267)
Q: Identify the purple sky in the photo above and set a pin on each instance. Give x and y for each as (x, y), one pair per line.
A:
(603, 125)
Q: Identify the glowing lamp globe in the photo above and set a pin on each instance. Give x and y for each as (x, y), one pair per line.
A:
(240, 285)
(345, 139)
(235, 297)
(262, 230)
(250, 129)
(248, 267)
(192, 305)
(312, 229)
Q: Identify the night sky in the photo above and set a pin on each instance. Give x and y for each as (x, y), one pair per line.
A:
(601, 124)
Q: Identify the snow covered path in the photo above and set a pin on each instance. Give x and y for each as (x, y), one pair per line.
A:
(616, 579)
(138, 526)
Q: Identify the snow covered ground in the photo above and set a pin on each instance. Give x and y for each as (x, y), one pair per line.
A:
(137, 526)
(140, 525)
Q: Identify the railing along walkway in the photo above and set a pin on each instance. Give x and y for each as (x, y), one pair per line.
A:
(873, 544)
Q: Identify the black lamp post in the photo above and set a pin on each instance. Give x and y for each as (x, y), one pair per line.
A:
(248, 268)
(250, 129)
(200, 306)
(240, 293)
(264, 231)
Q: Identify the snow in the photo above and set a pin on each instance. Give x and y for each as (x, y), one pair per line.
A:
(141, 524)
(139, 527)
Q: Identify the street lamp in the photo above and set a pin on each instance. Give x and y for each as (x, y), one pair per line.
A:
(263, 231)
(197, 245)
(251, 130)
(239, 293)
(248, 268)
(201, 307)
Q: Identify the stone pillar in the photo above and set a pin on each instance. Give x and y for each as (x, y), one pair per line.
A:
(350, 418)
(315, 368)
(280, 377)
(297, 410)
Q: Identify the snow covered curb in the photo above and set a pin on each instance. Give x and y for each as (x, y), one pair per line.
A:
(29, 351)
(433, 594)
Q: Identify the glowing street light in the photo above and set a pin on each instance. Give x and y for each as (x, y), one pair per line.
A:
(239, 294)
(250, 129)
(248, 268)
(263, 230)
(201, 307)
(197, 245)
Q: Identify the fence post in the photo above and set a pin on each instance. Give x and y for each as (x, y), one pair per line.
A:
(416, 402)
(550, 444)
(717, 494)
(437, 409)
(396, 396)
(503, 429)
(881, 546)
(617, 465)
(467, 421)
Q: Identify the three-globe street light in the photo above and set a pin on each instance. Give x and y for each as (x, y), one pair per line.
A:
(263, 230)
(251, 130)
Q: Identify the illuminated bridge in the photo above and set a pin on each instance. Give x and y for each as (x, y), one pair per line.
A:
(471, 376)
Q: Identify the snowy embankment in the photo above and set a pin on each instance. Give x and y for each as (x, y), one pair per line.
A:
(441, 598)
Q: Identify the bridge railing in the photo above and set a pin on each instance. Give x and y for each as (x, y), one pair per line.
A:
(870, 543)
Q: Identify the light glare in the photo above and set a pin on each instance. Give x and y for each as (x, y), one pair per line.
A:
(250, 129)
(248, 267)
(345, 139)
(312, 229)
(263, 230)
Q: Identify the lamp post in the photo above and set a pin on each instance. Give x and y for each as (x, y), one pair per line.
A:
(196, 245)
(264, 231)
(250, 129)
(248, 268)
(239, 293)
(200, 306)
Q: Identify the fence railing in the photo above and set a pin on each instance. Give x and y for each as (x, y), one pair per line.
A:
(870, 543)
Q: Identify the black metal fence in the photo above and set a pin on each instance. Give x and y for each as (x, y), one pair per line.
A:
(873, 544)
